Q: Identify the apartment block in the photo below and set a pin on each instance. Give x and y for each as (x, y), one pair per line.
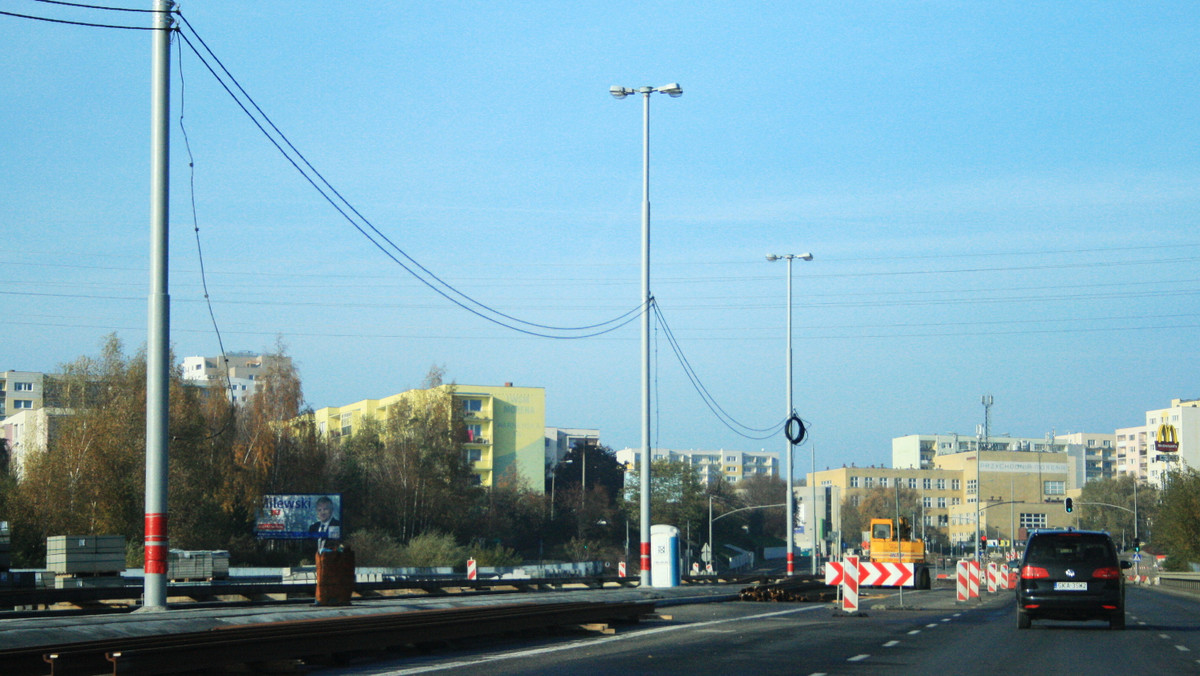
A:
(505, 427)
(733, 466)
(238, 373)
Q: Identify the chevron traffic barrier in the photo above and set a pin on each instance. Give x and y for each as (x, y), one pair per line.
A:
(973, 579)
(833, 573)
(962, 584)
(886, 574)
(992, 575)
(850, 584)
(472, 573)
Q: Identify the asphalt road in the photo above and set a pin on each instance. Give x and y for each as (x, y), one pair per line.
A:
(931, 635)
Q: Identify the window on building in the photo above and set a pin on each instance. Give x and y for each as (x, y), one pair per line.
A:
(912, 483)
(23, 387)
(472, 405)
(883, 482)
(474, 432)
(22, 403)
(942, 502)
(956, 484)
(941, 484)
(972, 487)
(869, 482)
(1033, 520)
(854, 483)
(927, 501)
(474, 455)
(943, 520)
(1054, 487)
(927, 484)
(956, 501)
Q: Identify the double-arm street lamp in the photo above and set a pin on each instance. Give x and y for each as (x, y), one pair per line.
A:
(791, 498)
(675, 91)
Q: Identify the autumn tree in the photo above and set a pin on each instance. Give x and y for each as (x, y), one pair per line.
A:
(1178, 521)
(1109, 505)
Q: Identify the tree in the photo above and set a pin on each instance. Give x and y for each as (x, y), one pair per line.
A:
(1117, 519)
(765, 490)
(1178, 519)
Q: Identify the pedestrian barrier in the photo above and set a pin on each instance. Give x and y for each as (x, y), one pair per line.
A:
(850, 584)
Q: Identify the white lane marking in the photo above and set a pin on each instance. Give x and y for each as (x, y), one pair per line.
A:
(858, 658)
(573, 645)
(889, 644)
(945, 619)
(914, 631)
(1164, 636)
(931, 626)
(1182, 648)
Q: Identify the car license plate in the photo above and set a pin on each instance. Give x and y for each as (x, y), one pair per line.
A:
(1070, 586)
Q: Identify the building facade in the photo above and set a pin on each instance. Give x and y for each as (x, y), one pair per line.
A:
(733, 466)
(20, 391)
(238, 373)
(505, 428)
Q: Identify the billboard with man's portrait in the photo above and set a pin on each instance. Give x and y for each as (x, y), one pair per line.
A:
(308, 516)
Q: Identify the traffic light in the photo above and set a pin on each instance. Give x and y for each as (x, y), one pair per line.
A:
(982, 542)
(1137, 545)
(1069, 504)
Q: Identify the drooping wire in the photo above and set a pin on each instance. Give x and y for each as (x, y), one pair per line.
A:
(443, 288)
(728, 420)
(232, 411)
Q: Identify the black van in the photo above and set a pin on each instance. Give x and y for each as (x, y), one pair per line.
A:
(1071, 575)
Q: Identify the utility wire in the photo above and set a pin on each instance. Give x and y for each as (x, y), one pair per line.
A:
(79, 23)
(232, 410)
(441, 287)
(710, 401)
(110, 9)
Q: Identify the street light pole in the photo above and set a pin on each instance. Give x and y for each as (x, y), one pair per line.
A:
(791, 497)
(675, 91)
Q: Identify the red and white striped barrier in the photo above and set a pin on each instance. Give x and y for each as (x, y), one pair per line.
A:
(872, 574)
(472, 573)
(850, 584)
(886, 574)
(621, 569)
(993, 575)
(833, 573)
(968, 580)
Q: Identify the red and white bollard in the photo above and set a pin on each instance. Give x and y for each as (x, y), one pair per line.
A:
(472, 573)
(850, 584)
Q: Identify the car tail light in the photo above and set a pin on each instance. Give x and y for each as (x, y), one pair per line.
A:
(1034, 572)
(1107, 573)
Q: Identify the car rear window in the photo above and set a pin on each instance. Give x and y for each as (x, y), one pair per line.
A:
(1071, 548)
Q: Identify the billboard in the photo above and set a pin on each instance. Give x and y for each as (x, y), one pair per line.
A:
(307, 516)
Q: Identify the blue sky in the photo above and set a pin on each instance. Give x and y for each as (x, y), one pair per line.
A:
(1000, 198)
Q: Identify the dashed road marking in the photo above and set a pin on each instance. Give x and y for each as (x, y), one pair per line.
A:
(914, 631)
(858, 658)
(889, 644)
(1182, 649)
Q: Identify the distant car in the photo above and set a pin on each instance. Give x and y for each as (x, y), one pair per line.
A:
(1071, 575)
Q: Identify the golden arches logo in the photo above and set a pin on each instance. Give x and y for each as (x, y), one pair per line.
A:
(1167, 439)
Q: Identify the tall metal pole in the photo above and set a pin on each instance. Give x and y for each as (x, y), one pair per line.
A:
(158, 329)
(644, 507)
(791, 494)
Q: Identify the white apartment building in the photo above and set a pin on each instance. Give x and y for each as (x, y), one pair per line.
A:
(733, 466)
(1137, 450)
(238, 373)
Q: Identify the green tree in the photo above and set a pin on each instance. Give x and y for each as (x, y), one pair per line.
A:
(1178, 521)
(1113, 507)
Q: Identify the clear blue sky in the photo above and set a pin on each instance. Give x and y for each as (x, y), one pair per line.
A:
(1000, 198)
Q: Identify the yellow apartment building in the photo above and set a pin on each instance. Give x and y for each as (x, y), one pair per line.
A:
(505, 428)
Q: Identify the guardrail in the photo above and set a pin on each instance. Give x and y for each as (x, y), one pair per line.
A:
(1185, 581)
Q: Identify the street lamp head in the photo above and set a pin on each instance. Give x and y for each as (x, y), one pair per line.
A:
(673, 89)
(772, 257)
(618, 92)
(805, 256)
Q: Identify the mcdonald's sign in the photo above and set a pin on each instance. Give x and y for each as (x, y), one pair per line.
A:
(1167, 439)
